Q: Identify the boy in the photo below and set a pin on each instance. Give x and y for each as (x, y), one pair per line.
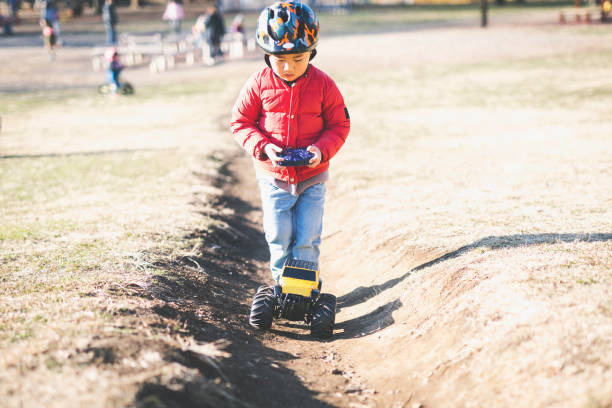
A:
(290, 104)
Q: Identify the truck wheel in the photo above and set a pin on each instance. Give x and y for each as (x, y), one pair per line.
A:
(127, 89)
(323, 316)
(262, 309)
(104, 89)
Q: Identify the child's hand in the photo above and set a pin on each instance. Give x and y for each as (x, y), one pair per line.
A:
(314, 162)
(271, 151)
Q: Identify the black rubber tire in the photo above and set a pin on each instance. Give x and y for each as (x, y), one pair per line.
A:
(104, 89)
(323, 316)
(127, 89)
(262, 309)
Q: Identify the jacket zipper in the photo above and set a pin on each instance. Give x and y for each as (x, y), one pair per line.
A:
(290, 136)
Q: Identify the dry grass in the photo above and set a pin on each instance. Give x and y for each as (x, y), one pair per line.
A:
(527, 326)
(480, 148)
(467, 231)
(90, 212)
(487, 154)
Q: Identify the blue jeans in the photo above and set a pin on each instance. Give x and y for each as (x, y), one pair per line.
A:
(111, 34)
(292, 224)
(113, 78)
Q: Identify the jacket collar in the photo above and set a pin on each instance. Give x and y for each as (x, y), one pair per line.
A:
(290, 83)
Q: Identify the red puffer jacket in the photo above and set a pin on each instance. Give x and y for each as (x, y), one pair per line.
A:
(311, 111)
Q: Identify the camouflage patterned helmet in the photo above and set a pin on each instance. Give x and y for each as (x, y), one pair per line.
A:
(287, 27)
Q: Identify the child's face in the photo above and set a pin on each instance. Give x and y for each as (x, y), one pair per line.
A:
(290, 66)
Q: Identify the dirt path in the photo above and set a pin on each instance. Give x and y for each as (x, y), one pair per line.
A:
(286, 364)
(275, 368)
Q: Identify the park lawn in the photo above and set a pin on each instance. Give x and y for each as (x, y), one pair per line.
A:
(471, 215)
(364, 20)
(498, 158)
(93, 210)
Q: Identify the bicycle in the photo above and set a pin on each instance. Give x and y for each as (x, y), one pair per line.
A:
(125, 88)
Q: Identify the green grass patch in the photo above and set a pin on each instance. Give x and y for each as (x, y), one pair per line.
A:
(26, 102)
(378, 19)
(47, 179)
(390, 19)
(520, 82)
(59, 266)
(29, 231)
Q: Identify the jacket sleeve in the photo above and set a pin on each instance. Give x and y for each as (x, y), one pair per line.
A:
(245, 120)
(337, 121)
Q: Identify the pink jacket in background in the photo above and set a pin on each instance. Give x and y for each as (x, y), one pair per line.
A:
(174, 11)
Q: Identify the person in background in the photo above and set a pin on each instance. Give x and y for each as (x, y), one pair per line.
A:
(237, 24)
(6, 22)
(199, 30)
(49, 37)
(238, 28)
(215, 30)
(113, 68)
(49, 13)
(110, 18)
(14, 6)
(174, 14)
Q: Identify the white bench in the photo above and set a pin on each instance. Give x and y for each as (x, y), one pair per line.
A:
(171, 49)
(132, 49)
(580, 13)
(162, 53)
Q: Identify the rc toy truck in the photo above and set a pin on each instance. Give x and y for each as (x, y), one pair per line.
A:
(297, 297)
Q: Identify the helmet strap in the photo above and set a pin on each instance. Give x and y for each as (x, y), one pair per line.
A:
(313, 53)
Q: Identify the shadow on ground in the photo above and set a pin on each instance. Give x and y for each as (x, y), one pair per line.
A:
(363, 293)
(361, 326)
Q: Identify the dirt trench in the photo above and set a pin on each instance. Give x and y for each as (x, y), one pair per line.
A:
(282, 367)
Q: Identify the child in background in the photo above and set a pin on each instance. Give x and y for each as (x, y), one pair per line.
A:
(175, 14)
(49, 12)
(199, 30)
(113, 69)
(49, 37)
(238, 29)
(290, 104)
